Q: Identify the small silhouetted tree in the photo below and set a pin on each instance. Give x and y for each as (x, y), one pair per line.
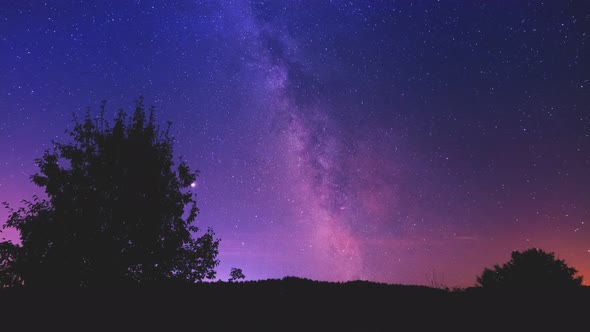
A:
(117, 210)
(532, 268)
(236, 274)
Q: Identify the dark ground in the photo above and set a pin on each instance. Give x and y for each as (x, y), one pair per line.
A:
(293, 304)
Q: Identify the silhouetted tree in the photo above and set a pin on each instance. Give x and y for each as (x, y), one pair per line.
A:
(236, 274)
(532, 268)
(118, 211)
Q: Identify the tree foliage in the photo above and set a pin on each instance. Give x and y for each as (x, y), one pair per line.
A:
(236, 274)
(532, 268)
(118, 210)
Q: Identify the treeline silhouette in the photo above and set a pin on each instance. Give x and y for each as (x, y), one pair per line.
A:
(295, 304)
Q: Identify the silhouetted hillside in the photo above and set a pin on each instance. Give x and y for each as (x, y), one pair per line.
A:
(294, 304)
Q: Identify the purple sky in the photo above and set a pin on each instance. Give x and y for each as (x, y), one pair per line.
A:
(392, 141)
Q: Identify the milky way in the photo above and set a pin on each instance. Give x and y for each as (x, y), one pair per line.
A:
(395, 141)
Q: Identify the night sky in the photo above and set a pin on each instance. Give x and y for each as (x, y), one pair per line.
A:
(390, 141)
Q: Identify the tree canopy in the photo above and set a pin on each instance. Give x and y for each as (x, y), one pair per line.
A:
(118, 210)
(532, 268)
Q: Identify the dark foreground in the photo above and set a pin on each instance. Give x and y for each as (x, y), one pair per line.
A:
(293, 304)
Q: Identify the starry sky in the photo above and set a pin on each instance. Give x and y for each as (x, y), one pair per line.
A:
(405, 142)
